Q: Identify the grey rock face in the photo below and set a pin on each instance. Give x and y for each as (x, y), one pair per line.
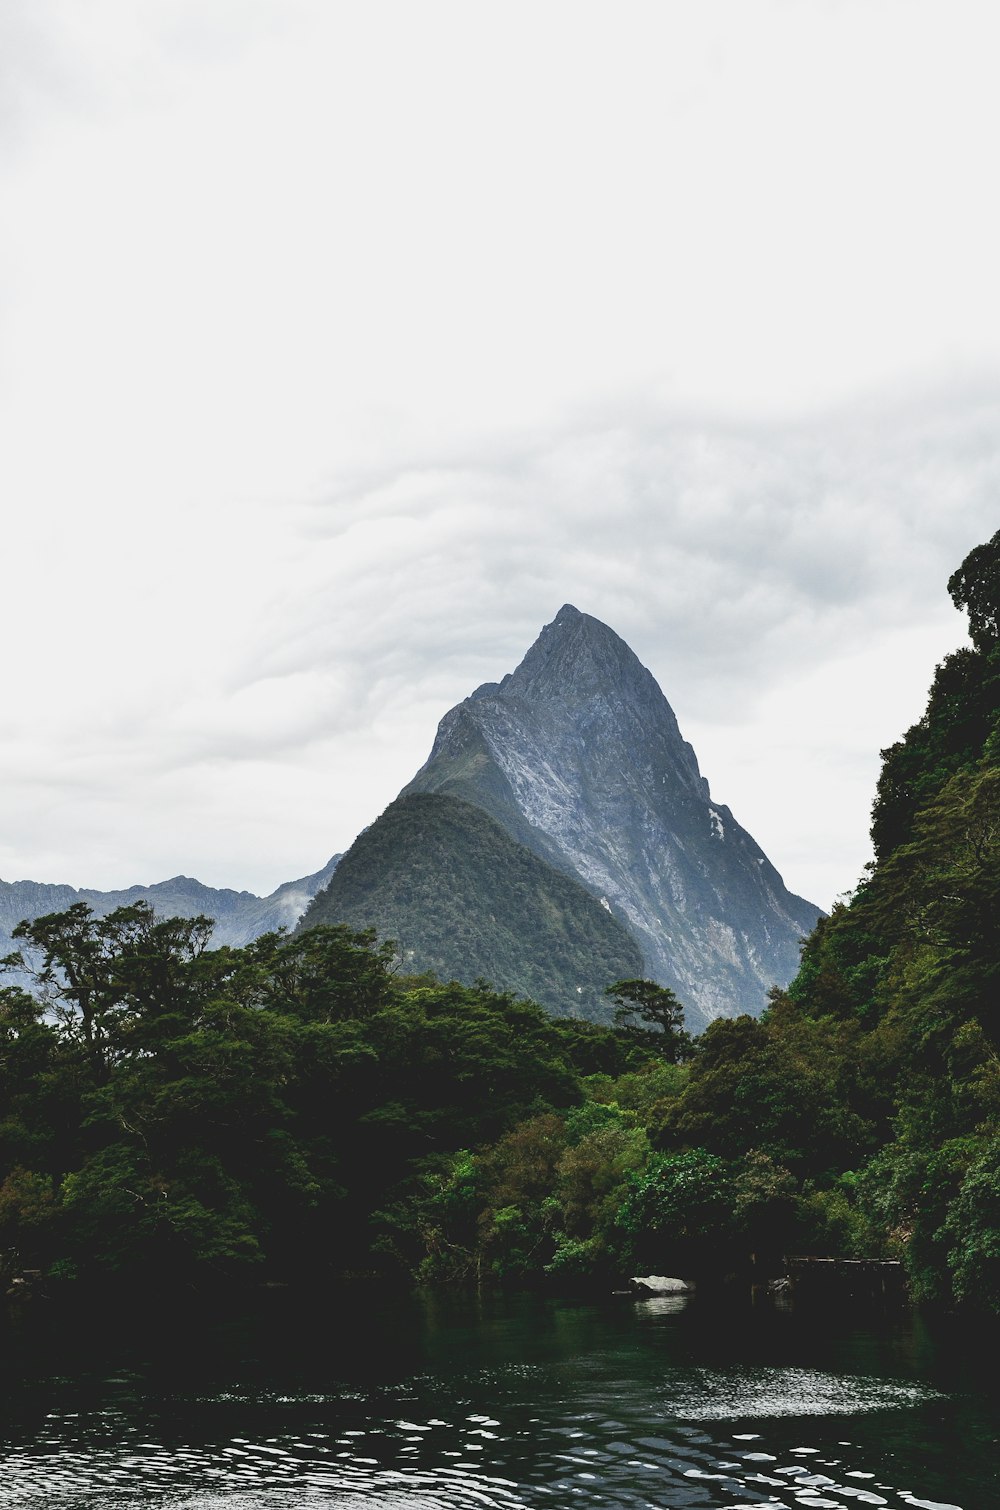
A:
(578, 754)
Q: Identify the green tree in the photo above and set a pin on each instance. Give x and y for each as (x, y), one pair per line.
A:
(679, 1213)
(975, 586)
(591, 1179)
(328, 973)
(102, 977)
(972, 1227)
(757, 1085)
(519, 1223)
(650, 1017)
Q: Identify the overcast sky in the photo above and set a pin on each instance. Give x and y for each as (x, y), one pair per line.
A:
(342, 343)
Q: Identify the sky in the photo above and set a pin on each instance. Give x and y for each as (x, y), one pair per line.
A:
(342, 343)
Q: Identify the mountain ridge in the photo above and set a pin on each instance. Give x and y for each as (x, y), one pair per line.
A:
(240, 916)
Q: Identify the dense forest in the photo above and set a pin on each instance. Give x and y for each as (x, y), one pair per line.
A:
(176, 1116)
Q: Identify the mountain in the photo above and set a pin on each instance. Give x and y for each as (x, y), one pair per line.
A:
(578, 755)
(464, 900)
(240, 916)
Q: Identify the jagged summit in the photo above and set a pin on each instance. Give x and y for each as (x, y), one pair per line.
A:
(577, 656)
(580, 690)
(579, 755)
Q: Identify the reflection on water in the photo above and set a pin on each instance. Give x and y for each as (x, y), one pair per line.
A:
(515, 1403)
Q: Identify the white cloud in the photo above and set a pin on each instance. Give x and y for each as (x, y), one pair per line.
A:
(342, 344)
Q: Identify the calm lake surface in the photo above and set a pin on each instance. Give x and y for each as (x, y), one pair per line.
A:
(448, 1401)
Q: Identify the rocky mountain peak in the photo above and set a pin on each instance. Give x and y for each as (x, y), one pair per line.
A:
(579, 755)
(575, 659)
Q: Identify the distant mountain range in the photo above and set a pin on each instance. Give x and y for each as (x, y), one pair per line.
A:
(239, 915)
(577, 758)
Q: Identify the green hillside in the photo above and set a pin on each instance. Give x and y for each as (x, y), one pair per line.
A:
(908, 974)
(463, 900)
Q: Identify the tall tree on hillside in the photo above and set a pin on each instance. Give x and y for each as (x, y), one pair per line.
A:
(975, 586)
(650, 1016)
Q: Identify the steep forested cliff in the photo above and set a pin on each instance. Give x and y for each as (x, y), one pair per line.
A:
(910, 969)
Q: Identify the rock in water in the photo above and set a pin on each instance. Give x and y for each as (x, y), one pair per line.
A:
(659, 1284)
(578, 755)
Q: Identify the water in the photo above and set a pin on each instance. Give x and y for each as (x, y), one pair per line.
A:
(452, 1403)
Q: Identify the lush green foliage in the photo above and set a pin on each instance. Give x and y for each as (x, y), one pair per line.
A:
(651, 1017)
(905, 979)
(188, 1115)
(175, 1114)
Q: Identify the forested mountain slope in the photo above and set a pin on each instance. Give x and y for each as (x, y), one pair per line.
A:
(465, 901)
(909, 971)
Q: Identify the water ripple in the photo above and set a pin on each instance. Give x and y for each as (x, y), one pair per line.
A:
(725, 1395)
(500, 1439)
